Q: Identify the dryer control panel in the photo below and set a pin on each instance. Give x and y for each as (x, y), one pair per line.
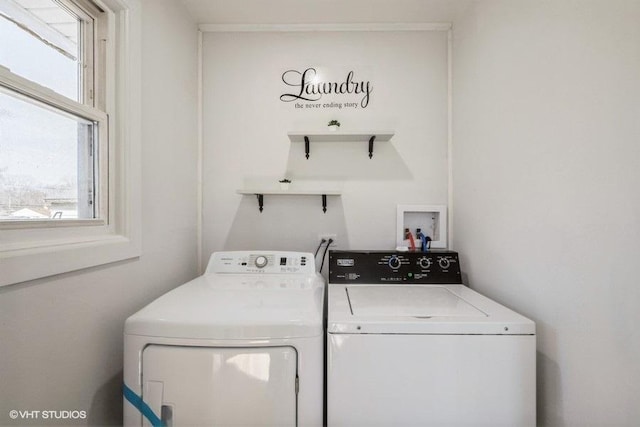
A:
(261, 262)
(384, 267)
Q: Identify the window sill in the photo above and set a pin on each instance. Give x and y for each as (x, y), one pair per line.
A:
(21, 265)
(37, 223)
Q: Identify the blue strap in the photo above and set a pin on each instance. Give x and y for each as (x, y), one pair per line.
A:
(141, 406)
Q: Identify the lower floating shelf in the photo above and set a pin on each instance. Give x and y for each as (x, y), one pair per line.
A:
(260, 193)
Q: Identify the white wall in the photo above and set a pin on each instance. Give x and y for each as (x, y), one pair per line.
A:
(246, 125)
(61, 338)
(546, 178)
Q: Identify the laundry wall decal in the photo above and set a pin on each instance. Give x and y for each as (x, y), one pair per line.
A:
(310, 87)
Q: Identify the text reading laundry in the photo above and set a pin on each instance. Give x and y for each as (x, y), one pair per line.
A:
(308, 88)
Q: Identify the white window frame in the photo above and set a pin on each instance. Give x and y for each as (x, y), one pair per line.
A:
(38, 95)
(34, 249)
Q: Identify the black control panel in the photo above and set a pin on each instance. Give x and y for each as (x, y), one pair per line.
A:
(384, 267)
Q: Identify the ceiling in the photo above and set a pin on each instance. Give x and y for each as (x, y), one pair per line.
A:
(323, 11)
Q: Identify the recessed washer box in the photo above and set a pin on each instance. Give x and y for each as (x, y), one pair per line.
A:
(431, 219)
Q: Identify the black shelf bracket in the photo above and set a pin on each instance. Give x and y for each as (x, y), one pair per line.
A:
(260, 202)
(324, 203)
(306, 147)
(371, 146)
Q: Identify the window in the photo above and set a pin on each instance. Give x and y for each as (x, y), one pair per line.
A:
(50, 117)
(48, 33)
(69, 135)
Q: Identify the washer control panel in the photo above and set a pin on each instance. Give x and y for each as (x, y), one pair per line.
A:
(261, 262)
(372, 267)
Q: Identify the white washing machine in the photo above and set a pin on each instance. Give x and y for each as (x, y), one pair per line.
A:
(241, 345)
(409, 345)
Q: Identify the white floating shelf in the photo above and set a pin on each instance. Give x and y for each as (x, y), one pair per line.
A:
(289, 192)
(326, 136)
(261, 192)
(381, 136)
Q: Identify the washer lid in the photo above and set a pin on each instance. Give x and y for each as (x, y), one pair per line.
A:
(411, 301)
(229, 307)
(419, 309)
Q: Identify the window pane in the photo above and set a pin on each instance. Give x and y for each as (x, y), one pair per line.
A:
(46, 162)
(40, 43)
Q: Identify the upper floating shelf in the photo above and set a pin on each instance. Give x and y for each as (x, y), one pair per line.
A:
(307, 137)
(381, 136)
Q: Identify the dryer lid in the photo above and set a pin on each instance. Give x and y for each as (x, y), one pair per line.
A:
(238, 307)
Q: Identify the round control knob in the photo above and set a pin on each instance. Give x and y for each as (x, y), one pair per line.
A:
(261, 261)
(444, 263)
(424, 262)
(394, 262)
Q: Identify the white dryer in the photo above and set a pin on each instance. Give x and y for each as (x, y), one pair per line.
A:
(409, 345)
(241, 345)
